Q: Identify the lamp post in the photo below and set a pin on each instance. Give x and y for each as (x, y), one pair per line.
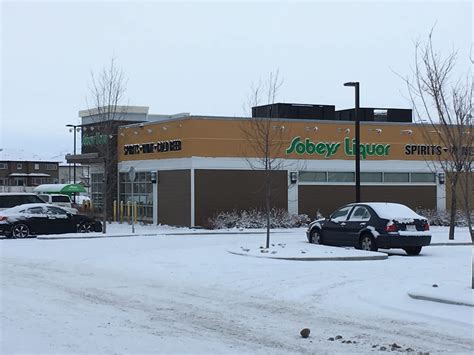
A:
(355, 84)
(74, 127)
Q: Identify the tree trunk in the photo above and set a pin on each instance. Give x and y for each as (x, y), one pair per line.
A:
(467, 208)
(452, 212)
(267, 206)
(104, 200)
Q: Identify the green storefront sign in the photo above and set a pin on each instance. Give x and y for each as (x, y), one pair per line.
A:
(96, 139)
(328, 149)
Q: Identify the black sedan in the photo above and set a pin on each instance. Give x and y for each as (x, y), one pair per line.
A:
(373, 225)
(41, 218)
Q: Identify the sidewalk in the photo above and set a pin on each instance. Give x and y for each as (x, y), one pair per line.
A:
(460, 297)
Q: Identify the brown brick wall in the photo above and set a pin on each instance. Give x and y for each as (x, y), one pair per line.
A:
(174, 197)
(328, 198)
(226, 190)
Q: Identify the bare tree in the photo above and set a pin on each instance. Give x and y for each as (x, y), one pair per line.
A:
(265, 136)
(107, 92)
(444, 108)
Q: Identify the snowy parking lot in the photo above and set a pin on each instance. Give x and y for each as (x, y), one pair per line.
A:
(172, 291)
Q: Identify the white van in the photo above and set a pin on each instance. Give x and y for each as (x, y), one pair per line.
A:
(60, 200)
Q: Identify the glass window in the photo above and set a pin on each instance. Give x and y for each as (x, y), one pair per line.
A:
(341, 177)
(57, 198)
(360, 213)
(396, 177)
(51, 167)
(96, 189)
(19, 166)
(371, 177)
(422, 177)
(3, 165)
(55, 210)
(20, 182)
(312, 176)
(341, 214)
(37, 166)
(35, 210)
(142, 195)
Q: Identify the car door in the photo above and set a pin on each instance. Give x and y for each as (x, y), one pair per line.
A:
(59, 221)
(335, 228)
(358, 220)
(36, 219)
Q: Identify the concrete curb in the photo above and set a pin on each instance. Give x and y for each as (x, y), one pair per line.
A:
(451, 244)
(45, 237)
(337, 258)
(439, 300)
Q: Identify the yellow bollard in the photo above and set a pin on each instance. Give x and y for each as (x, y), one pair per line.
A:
(115, 211)
(121, 211)
(136, 210)
(128, 213)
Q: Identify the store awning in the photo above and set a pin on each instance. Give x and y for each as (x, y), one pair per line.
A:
(66, 189)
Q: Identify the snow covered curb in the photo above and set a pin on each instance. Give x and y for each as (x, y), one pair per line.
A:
(334, 258)
(460, 297)
(312, 253)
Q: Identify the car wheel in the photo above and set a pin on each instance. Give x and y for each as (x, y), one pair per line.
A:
(413, 250)
(316, 237)
(85, 227)
(20, 230)
(367, 242)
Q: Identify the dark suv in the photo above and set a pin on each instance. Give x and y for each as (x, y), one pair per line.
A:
(12, 199)
(372, 225)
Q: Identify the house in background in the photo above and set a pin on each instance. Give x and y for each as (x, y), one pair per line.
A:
(22, 172)
(66, 174)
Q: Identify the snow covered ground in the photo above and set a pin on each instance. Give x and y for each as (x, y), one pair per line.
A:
(178, 292)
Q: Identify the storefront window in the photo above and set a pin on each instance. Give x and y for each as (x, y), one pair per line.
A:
(142, 195)
(396, 177)
(312, 176)
(371, 177)
(422, 177)
(96, 189)
(341, 177)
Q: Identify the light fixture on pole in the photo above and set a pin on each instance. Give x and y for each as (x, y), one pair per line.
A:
(355, 84)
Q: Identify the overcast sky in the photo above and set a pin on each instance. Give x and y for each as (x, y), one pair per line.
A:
(202, 57)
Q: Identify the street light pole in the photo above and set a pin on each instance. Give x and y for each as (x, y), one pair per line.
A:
(357, 138)
(74, 127)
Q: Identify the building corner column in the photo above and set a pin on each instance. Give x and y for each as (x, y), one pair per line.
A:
(155, 201)
(193, 221)
(292, 194)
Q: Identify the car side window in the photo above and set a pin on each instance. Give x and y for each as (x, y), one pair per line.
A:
(35, 210)
(55, 210)
(341, 214)
(360, 213)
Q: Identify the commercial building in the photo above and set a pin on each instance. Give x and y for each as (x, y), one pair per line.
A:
(188, 168)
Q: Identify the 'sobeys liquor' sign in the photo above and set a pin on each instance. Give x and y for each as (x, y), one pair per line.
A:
(153, 147)
(328, 149)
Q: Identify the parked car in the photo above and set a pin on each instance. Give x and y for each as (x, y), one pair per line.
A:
(12, 199)
(373, 225)
(57, 199)
(41, 218)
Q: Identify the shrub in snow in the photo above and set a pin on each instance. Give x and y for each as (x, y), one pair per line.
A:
(441, 218)
(256, 218)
